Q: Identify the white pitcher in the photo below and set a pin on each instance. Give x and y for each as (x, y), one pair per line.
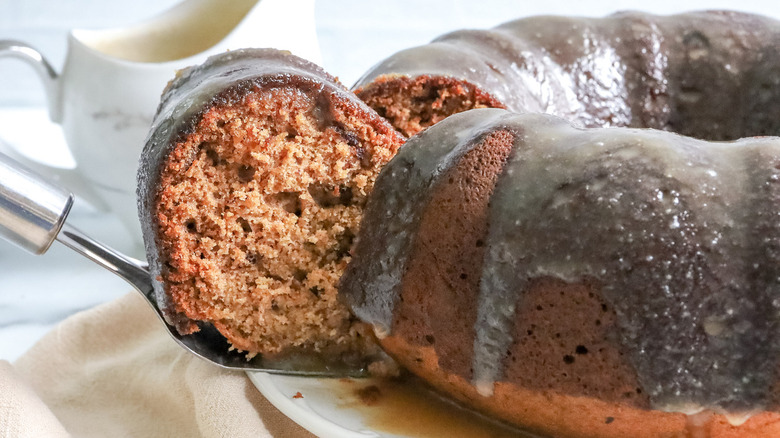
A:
(112, 79)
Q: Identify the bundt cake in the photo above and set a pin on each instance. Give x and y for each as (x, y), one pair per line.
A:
(584, 282)
(574, 281)
(580, 282)
(251, 187)
(714, 73)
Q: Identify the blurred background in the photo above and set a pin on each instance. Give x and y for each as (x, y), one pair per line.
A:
(38, 292)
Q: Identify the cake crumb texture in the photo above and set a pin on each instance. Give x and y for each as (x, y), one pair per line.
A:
(258, 208)
(413, 104)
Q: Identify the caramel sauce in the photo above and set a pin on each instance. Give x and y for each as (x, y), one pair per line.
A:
(177, 34)
(408, 407)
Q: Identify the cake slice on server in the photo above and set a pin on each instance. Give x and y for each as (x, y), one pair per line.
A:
(251, 190)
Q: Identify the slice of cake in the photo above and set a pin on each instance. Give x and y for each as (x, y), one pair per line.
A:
(251, 189)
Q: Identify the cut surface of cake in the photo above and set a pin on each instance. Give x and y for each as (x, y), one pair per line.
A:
(251, 189)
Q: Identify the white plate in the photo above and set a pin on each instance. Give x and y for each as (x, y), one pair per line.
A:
(361, 408)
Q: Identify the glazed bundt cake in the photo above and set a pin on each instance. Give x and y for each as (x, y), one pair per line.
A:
(251, 188)
(580, 282)
(583, 282)
(678, 73)
(574, 281)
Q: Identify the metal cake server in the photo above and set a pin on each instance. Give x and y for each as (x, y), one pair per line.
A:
(33, 214)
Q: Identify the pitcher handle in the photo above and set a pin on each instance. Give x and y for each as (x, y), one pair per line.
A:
(49, 77)
(51, 84)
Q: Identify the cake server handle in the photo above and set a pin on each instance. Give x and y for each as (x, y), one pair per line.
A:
(32, 216)
(32, 209)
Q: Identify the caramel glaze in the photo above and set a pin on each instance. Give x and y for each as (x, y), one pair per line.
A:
(407, 406)
(644, 256)
(676, 73)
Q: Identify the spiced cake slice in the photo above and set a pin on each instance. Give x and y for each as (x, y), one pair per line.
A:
(251, 188)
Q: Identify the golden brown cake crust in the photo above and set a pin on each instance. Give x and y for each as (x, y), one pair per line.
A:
(437, 304)
(562, 416)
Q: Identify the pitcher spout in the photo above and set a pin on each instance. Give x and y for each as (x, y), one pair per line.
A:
(195, 29)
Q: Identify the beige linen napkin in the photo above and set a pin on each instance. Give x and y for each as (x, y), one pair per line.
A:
(113, 371)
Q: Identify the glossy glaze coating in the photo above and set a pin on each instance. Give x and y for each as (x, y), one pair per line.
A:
(674, 73)
(376, 285)
(680, 234)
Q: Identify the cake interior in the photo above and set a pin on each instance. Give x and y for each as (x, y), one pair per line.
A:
(686, 103)
(413, 104)
(257, 212)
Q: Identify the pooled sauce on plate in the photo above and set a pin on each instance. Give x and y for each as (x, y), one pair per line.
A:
(407, 406)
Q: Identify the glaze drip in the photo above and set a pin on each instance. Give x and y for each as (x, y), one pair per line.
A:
(666, 228)
(397, 204)
(680, 234)
(639, 255)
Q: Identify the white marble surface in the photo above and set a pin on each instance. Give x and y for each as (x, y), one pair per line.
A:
(38, 292)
